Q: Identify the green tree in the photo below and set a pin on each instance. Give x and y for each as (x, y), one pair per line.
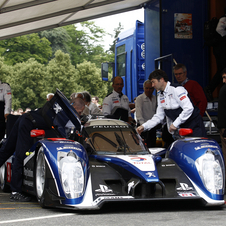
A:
(20, 49)
(88, 76)
(61, 74)
(86, 43)
(117, 32)
(28, 84)
(58, 37)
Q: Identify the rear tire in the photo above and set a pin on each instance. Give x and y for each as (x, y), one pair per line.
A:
(3, 179)
(40, 176)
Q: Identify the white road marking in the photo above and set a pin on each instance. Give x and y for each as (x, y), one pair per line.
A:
(36, 218)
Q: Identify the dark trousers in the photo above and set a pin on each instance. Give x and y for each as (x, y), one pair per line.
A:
(149, 137)
(2, 129)
(219, 52)
(196, 124)
(19, 141)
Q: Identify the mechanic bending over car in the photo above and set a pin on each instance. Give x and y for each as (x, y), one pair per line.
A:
(20, 141)
(174, 103)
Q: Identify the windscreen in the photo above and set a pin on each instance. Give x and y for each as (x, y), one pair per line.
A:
(112, 140)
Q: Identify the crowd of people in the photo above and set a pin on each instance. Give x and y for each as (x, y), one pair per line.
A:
(171, 107)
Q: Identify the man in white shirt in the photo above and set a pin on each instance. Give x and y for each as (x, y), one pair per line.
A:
(145, 109)
(175, 105)
(116, 99)
(5, 106)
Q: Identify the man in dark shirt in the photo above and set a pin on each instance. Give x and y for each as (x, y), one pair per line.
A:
(195, 91)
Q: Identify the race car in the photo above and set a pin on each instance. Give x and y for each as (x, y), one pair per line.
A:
(110, 163)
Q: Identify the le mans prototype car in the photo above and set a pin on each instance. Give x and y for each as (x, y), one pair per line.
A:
(110, 163)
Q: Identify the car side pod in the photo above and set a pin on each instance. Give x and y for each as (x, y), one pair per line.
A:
(202, 161)
(185, 132)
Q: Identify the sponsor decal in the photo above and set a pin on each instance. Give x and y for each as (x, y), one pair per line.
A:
(168, 165)
(99, 199)
(116, 101)
(1, 90)
(98, 166)
(206, 146)
(162, 101)
(150, 174)
(144, 164)
(57, 108)
(184, 187)
(199, 141)
(186, 194)
(104, 189)
(63, 142)
(182, 98)
(111, 127)
(66, 147)
(8, 93)
(138, 159)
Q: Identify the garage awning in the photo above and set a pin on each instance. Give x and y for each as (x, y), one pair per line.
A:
(20, 17)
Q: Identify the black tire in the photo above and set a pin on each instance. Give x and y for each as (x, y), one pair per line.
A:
(3, 176)
(40, 177)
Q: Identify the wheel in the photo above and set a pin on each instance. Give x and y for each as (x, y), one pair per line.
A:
(3, 184)
(40, 176)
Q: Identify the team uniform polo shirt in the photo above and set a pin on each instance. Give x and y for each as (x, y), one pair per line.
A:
(114, 100)
(173, 103)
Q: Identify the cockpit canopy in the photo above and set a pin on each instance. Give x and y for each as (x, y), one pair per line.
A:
(108, 136)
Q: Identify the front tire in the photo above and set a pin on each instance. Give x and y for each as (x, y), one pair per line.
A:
(40, 176)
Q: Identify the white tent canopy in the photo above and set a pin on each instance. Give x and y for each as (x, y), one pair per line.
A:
(20, 17)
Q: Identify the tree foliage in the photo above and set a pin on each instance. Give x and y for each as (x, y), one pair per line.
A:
(28, 84)
(89, 77)
(61, 74)
(117, 32)
(67, 58)
(20, 49)
(58, 38)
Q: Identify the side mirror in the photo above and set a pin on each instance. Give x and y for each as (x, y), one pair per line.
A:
(104, 71)
(37, 133)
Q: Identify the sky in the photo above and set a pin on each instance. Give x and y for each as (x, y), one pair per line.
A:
(109, 23)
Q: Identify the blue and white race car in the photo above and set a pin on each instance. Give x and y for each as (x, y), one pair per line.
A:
(110, 163)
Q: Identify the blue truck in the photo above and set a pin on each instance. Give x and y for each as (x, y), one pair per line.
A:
(159, 40)
(129, 60)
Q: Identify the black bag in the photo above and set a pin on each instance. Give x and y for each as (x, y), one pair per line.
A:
(211, 36)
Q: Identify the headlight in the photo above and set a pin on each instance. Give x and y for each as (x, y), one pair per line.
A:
(72, 176)
(210, 168)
